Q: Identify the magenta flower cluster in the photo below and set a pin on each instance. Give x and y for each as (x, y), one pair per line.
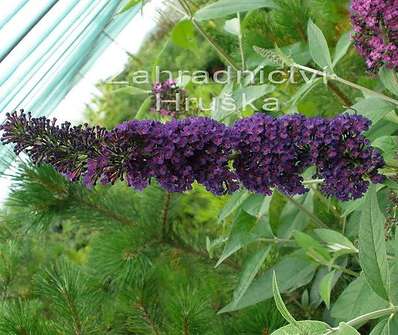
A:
(167, 95)
(375, 25)
(259, 152)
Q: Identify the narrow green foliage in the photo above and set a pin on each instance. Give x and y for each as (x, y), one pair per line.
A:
(121, 257)
(251, 269)
(319, 47)
(281, 305)
(71, 299)
(342, 47)
(224, 8)
(23, 317)
(325, 287)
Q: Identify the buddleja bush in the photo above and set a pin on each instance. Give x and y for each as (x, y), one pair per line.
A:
(312, 200)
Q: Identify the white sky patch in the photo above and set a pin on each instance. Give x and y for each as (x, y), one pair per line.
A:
(110, 63)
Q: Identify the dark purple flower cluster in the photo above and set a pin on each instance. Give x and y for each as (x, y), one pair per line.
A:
(275, 152)
(196, 149)
(127, 153)
(65, 147)
(168, 98)
(266, 152)
(343, 157)
(271, 153)
(375, 25)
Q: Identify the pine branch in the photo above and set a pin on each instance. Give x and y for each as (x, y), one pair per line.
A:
(179, 244)
(165, 218)
(147, 317)
(107, 212)
(72, 300)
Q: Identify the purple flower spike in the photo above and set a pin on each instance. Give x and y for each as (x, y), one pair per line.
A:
(267, 153)
(65, 147)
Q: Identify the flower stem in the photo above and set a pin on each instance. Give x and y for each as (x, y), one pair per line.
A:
(358, 321)
(276, 240)
(215, 46)
(342, 97)
(334, 77)
(240, 38)
(344, 270)
(314, 218)
(313, 181)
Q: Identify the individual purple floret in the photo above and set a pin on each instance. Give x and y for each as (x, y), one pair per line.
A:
(64, 147)
(375, 25)
(271, 153)
(196, 149)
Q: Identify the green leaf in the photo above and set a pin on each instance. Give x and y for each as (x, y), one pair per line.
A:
(357, 299)
(388, 326)
(315, 297)
(233, 204)
(224, 8)
(129, 5)
(305, 298)
(372, 246)
(389, 79)
(257, 205)
(389, 146)
(311, 328)
(295, 215)
(345, 329)
(144, 109)
(247, 95)
(336, 241)
(375, 109)
(319, 49)
(280, 305)
(249, 273)
(325, 287)
(219, 112)
(304, 89)
(293, 271)
(245, 230)
(132, 90)
(382, 328)
(183, 35)
(312, 247)
(158, 59)
(232, 26)
(342, 47)
(394, 281)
